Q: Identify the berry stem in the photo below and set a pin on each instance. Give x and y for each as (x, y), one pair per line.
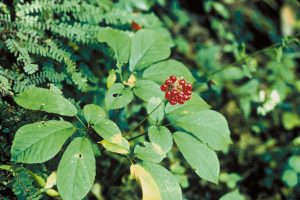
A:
(137, 136)
(145, 118)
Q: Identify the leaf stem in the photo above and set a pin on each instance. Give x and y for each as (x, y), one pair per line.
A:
(81, 122)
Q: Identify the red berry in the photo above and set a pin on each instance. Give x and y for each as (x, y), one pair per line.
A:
(173, 102)
(188, 86)
(186, 97)
(163, 87)
(135, 26)
(181, 82)
(180, 101)
(168, 95)
(174, 93)
(168, 82)
(173, 78)
(188, 92)
(180, 96)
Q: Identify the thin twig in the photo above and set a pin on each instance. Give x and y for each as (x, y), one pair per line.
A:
(249, 56)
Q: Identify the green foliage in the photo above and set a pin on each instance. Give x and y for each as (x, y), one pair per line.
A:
(202, 158)
(149, 152)
(147, 47)
(45, 100)
(89, 84)
(146, 89)
(156, 181)
(118, 96)
(234, 195)
(119, 41)
(111, 133)
(208, 126)
(46, 138)
(76, 170)
(93, 113)
(23, 185)
(161, 138)
(158, 106)
(160, 71)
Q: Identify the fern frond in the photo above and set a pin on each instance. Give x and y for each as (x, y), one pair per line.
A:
(22, 55)
(23, 185)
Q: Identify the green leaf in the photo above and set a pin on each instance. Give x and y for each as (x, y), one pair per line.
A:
(201, 158)
(119, 41)
(147, 47)
(160, 137)
(76, 170)
(45, 100)
(195, 104)
(110, 132)
(116, 148)
(149, 152)
(111, 79)
(118, 96)
(146, 89)
(208, 126)
(156, 182)
(156, 107)
(290, 120)
(290, 178)
(294, 163)
(93, 113)
(40, 141)
(234, 195)
(161, 71)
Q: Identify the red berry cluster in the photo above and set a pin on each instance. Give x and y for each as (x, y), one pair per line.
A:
(176, 90)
